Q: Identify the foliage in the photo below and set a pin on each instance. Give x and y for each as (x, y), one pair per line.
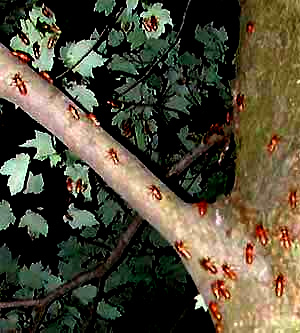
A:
(142, 105)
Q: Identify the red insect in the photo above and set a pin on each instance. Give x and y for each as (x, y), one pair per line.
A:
(249, 253)
(46, 76)
(47, 12)
(74, 112)
(279, 285)
(240, 102)
(213, 307)
(202, 207)
(271, 147)
(285, 240)
(261, 233)
(208, 265)
(94, 119)
(54, 28)
(155, 192)
(113, 155)
(221, 286)
(36, 50)
(219, 328)
(293, 199)
(52, 41)
(150, 24)
(229, 272)
(250, 28)
(69, 183)
(180, 248)
(22, 56)
(80, 187)
(23, 38)
(127, 128)
(229, 117)
(216, 291)
(20, 84)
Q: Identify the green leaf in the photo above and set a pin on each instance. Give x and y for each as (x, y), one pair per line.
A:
(179, 103)
(189, 59)
(16, 168)
(35, 223)
(105, 5)
(120, 64)
(182, 136)
(108, 211)
(6, 215)
(34, 184)
(122, 275)
(73, 52)
(140, 136)
(33, 277)
(132, 4)
(81, 218)
(200, 302)
(7, 264)
(84, 95)
(115, 38)
(42, 143)
(85, 293)
(136, 38)
(107, 311)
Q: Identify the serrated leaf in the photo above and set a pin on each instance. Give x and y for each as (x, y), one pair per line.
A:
(179, 103)
(34, 184)
(108, 211)
(7, 264)
(6, 215)
(122, 275)
(55, 159)
(81, 218)
(105, 5)
(200, 302)
(120, 64)
(189, 59)
(134, 94)
(16, 169)
(32, 277)
(107, 311)
(182, 136)
(69, 269)
(73, 52)
(35, 223)
(89, 232)
(132, 4)
(43, 145)
(84, 95)
(70, 248)
(115, 37)
(85, 293)
(136, 38)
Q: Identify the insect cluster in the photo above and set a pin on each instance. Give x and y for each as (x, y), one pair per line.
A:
(78, 186)
(218, 287)
(285, 242)
(150, 24)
